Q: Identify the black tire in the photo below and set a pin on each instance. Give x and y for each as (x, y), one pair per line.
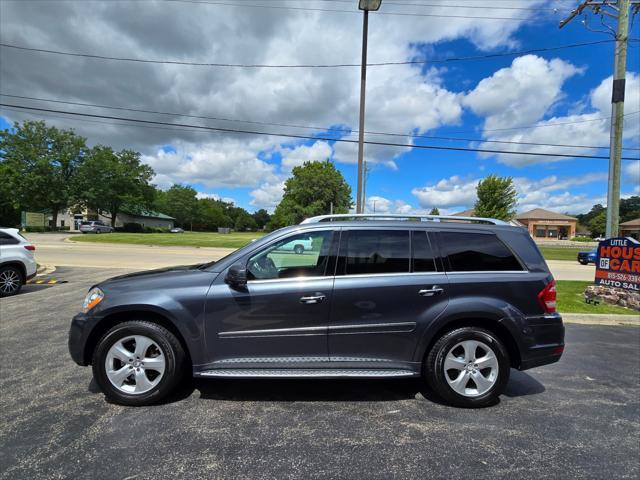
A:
(434, 372)
(97, 231)
(11, 281)
(299, 249)
(171, 349)
(582, 262)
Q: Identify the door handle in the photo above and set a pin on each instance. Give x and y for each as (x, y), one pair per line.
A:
(312, 299)
(430, 292)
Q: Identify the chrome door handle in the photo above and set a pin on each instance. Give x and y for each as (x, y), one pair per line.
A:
(430, 292)
(312, 299)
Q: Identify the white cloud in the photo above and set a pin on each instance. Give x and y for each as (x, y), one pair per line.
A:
(268, 195)
(507, 103)
(449, 192)
(520, 94)
(223, 164)
(296, 156)
(455, 193)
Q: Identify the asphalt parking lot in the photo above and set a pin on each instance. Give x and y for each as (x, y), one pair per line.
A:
(579, 418)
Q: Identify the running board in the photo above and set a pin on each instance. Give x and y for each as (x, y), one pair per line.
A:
(305, 373)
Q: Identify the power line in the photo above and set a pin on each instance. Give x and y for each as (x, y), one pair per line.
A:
(314, 9)
(307, 137)
(334, 65)
(349, 131)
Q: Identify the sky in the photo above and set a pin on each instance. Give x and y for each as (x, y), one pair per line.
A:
(560, 96)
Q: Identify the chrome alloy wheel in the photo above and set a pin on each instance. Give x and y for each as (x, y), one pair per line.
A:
(471, 368)
(10, 281)
(135, 364)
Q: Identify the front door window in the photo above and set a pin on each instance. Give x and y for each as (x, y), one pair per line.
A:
(302, 255)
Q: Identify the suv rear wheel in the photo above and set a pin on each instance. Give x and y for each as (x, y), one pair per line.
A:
(468, 367)
(138, 363)
(10, 281)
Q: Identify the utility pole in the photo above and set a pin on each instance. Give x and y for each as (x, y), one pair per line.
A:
(363, 88)
(366, 6)
(622, 8)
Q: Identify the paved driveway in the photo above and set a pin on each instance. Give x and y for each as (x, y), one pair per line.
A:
(579, 418)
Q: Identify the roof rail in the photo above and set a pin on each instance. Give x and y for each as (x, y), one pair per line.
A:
(420, 218)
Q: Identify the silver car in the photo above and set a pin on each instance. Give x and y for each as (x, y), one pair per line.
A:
(95, 226)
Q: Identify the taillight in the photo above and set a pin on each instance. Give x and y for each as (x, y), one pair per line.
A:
(31, 248)
(547, 297)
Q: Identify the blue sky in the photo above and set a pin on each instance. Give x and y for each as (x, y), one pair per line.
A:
(475, 99)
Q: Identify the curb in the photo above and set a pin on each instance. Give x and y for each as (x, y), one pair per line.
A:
(601, 319)
(45, 270)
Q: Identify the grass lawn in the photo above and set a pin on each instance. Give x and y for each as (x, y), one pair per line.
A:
(186, 239)
(571, 300)
(562, 253)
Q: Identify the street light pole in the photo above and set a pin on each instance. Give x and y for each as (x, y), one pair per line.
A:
(365, 6)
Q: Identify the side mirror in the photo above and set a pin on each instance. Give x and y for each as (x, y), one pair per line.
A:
(236, 276)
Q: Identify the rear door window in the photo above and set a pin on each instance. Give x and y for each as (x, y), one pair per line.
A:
(476, 252)
(375, 252)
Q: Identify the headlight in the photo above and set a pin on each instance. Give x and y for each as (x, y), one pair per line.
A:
(93, 298)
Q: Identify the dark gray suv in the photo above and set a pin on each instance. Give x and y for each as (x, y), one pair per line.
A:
(454, 301)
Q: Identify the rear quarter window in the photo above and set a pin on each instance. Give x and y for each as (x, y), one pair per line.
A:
(6, 239)
(476, 252)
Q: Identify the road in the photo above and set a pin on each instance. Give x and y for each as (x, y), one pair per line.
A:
(52, 249)
(579, 418)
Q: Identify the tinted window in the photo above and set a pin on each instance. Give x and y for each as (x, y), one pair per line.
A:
(470, 252)
(6, 239)
(304, 255)
(422, 254)
(376, 251)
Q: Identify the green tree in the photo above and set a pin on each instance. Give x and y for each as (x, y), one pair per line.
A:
(245, 221)
(111, 180)
(211, 215)
(261, 217)
(598, 224)
(181, 202)
(310, 191)
(497, 198)
(9, 205)
(40, 166)
(629, 208)
(434, 211)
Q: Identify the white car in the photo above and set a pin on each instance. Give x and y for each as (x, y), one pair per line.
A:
(17, 261)
(299, 246)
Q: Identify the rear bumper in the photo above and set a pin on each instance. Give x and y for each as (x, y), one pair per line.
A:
(545, 341)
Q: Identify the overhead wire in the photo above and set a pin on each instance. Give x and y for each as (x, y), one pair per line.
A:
(308, 137)
(309, 127)
(333, 65)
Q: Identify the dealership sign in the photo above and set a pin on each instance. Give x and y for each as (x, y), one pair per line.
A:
(618, 263)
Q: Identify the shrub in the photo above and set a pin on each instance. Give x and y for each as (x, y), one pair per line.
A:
(132, 228)
(582, 239)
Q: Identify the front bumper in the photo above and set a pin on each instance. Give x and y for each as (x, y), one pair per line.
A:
(79, 332)
(545, 341)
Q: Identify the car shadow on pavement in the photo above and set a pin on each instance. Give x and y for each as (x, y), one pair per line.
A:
(325, 390)
(522, 384)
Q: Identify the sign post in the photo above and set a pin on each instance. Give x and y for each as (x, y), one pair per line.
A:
(618, 263)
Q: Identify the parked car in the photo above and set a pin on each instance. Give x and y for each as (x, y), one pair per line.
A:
(453, 304)
(17, 261)
(299, 245)
(587, 257)
(176, 230)
(95, 226)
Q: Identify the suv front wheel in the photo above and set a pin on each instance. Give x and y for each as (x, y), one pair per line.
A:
(138, 363)
(468, 367)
